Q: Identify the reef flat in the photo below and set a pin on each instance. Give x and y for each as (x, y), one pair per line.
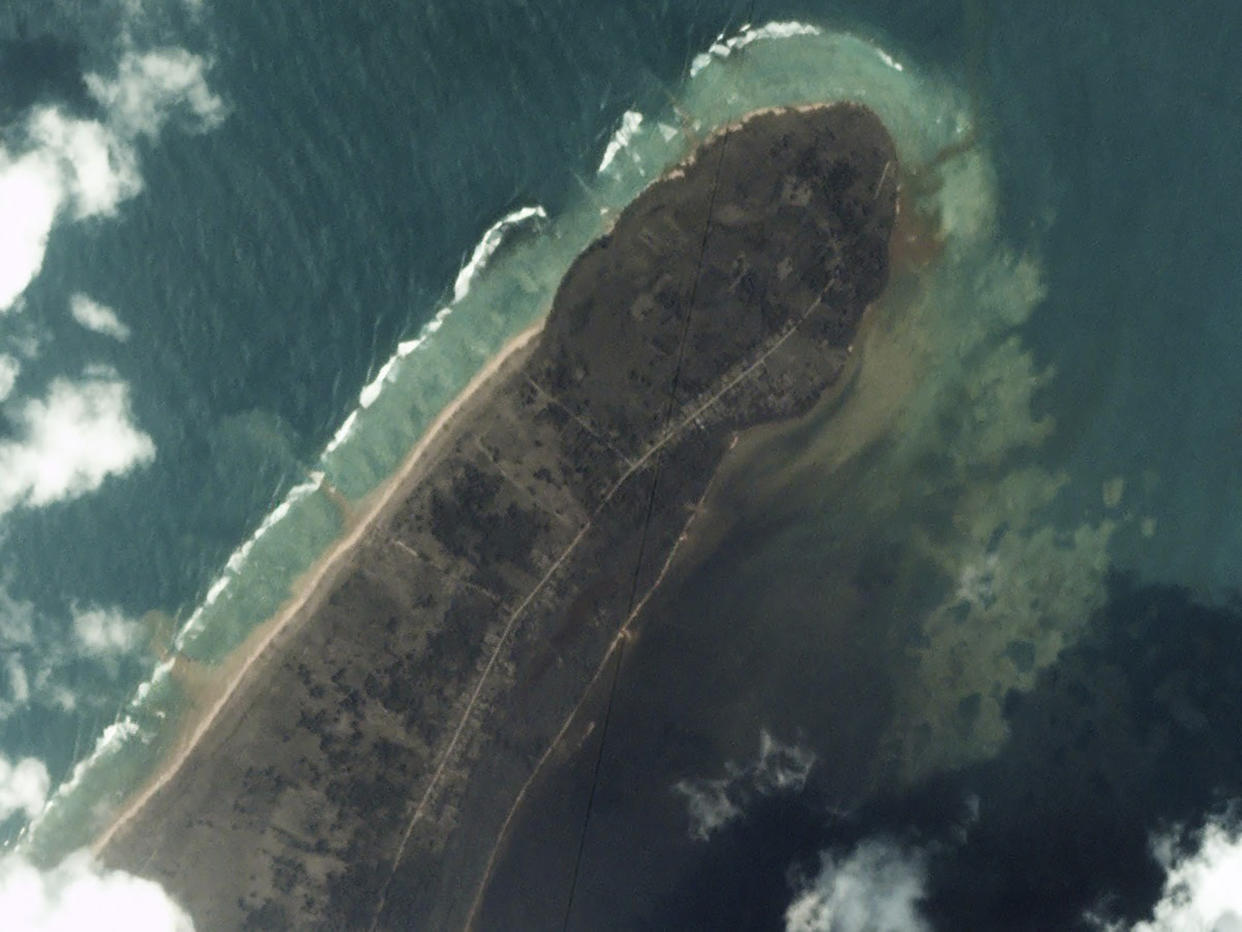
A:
(361, 774)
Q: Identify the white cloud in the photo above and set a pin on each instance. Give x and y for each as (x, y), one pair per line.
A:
(714, 803)
(31, 191)
(79, 894)
(17, 626)
(105, 630)
(781, 767)
(1203, 891)
(39, 665)
(23, 788)
(95, 316)
(9, 370)
(70, 442)
(876, 888)
(61, 697)
(150, 86)
(70, 165)
(97, 169)
(19, 685)
(708, 805)
(87, 168)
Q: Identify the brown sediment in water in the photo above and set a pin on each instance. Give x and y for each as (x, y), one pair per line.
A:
(356, 765)
(917, 238)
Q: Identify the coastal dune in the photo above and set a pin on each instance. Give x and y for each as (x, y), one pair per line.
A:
(358, 762)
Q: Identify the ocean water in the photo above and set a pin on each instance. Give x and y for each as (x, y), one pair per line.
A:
(911, 669)
(314, 223)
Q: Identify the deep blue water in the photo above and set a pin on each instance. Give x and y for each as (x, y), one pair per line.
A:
(272, 263)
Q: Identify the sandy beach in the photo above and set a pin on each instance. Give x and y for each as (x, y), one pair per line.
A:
(311, 588)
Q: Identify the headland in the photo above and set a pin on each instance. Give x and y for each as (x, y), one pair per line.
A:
(357, 767)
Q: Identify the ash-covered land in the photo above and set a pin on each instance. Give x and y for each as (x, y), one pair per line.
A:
(363, 773)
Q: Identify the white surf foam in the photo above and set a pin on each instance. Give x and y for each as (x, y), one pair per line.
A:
(889, 60)
(488, 245)
(469, 272)
(342, 432)
(483, 252)
(237, 560)
(631, 121)
(723, 48)
(111, 741)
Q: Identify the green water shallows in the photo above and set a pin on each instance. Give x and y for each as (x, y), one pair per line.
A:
(508, 284)
(125, 755)
(257, 579)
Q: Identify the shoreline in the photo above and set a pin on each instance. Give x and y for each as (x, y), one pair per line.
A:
(316, 581)
(355, 761)
(309, 589)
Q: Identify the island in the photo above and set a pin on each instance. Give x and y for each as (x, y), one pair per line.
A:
(361, 771)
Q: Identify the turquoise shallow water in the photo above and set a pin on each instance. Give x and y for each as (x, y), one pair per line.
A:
(275, 263)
